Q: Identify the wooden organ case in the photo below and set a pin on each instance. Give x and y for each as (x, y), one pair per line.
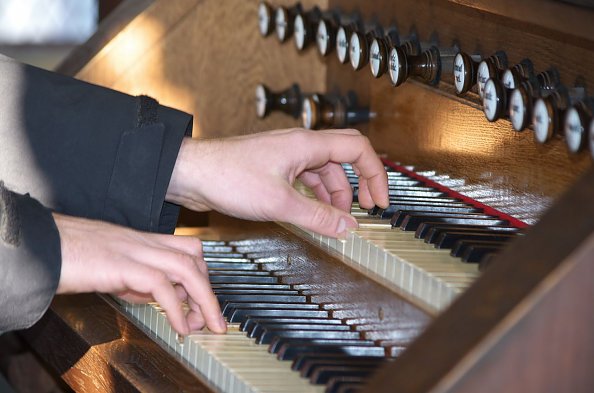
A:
(524, 325)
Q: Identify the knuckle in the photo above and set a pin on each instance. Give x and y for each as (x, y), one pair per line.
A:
(186, 261)
(157, 278)
(322, 216)
(195, 245)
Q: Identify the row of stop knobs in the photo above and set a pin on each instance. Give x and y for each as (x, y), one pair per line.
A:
(316, 111)
(528, 99)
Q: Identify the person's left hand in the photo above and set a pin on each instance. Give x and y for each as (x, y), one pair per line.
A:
(251, 177)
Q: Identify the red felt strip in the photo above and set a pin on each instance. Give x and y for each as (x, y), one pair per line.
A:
(487, 209)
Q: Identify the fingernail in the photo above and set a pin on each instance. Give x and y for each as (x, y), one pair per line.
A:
(223, 325)
(343, 224)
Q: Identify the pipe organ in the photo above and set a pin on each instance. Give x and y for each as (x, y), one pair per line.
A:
(478, 277)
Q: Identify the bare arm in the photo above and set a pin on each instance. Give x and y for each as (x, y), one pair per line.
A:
(251, 177)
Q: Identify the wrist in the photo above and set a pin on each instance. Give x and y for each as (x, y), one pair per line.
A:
(182, 186)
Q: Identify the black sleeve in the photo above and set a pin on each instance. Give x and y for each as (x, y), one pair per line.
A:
(88, 151)
(30, 260)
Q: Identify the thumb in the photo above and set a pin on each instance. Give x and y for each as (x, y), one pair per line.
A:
(319, 217)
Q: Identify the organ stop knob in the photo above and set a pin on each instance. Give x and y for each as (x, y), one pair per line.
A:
(265, 18)
(283, 20)
(522, 98)
(577, 119)
(465, 71)
(548, 112)
(304, 27)
(320, 111)
(379, 53)
(425, 66)
(288, 101)
(496, 92)
(326, 35)
(490, 68)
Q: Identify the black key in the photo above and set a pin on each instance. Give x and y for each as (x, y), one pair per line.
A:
(323, 374)
(216, 249)
(211, 243)
(425, 227)
(412, 221)
(306, 360)
(233, 279)
(461, 246)
(425, 192)
(251, 322)
(448, 239)
(392, 209)
(345, 385)
(240, 314)
(245, 273)
(306, 364)
(434, 233)
(260, 328)
(212, 266)
(255, 290)
(247, 286)
(413, 202)
(232, 256)
(486, 261)
(230, 307)
(278, 342)
(474, 253)
(425, 199)
(290, 351)
(260, 297)
(401, 215)
(269, 334)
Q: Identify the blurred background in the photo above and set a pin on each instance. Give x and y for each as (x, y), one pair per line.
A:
(43, 33)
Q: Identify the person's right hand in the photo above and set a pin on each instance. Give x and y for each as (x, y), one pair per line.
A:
(139, 267)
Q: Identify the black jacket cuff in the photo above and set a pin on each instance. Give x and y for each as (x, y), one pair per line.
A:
(30, 259)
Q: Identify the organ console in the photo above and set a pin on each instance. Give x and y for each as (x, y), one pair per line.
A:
(477, 278)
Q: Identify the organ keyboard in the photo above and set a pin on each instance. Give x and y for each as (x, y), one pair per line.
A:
(523, 325)
(270, 318)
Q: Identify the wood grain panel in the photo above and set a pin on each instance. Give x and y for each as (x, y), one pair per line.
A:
(94, 348)
(206, 57)
(521, 306)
